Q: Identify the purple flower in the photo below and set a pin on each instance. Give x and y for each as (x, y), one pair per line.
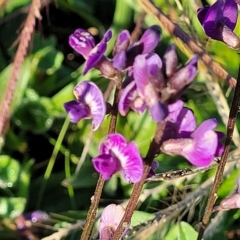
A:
(115, 155)
(124, 57)
(230, 202)
(130, 97)
(89, 104)
(110, 219)
(83, 43)
(180, 122)
(149, 81)
(219, 21)
(199, 148)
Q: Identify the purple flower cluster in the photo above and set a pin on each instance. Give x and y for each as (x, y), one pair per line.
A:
(219, 21)
(150, 83)
(153, 83)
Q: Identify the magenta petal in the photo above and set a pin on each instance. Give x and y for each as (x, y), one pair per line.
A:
(184, 76)
(140, 73)
(132, 164)
(150, 38)
(112, 143)
(106, 165)
(82, 42)
(76, 110)
(230, 14)
(120, 60)
(107, 36)
(129, 99)
(122, 42)
(207, 125)
(170, 60)
(94, 56)
(158, 111)
(89, 93)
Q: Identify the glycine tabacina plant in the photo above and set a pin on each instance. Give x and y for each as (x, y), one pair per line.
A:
(147, 82)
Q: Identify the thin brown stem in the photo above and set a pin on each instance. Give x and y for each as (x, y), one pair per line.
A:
(98, 190)
(178, 34)
(25, 38)
(153, 148)
(220, 170)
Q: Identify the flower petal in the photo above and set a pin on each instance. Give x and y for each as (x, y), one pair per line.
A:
(132, 164)
(170, 60)
(77, 110)
(94, 56)
(213, 21)
(129, 99)
(112, 143)
(120, 60)
(122, 42)
(201, 13)
(111, 217)
(184, 76)
(158, 111)
(97, 52)
(230, 14)
(82, 42)
(89, 93)
(106, 165)
(150, 38)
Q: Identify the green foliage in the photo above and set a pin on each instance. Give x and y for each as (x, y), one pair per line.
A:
(40, 154)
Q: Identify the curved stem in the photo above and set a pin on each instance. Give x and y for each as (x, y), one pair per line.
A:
(220, 170)
(98, 190)
(153, 148)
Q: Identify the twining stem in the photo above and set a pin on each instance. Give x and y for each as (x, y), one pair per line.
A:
(220, 170)
(99, 187)
(25, 38)
(178, 34)
(153, 148)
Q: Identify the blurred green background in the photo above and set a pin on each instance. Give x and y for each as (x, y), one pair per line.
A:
(40, 166)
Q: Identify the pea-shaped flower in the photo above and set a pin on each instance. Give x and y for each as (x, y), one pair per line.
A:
(219, 21)
(89, 104)
(116, 155)
(200, 147)
(83, 43)
(110, 218)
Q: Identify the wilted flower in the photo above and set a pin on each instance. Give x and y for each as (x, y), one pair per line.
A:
(115, 155)
(110, 218)
(83, 43)
(124, 56)
(89, 104)
(199, 148)
(219, 21)
(230, 202)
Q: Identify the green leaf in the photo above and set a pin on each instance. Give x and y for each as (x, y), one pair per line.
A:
(11, 207)
(181, 231)
(32, 115)
(9, 171)
(141, 217)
